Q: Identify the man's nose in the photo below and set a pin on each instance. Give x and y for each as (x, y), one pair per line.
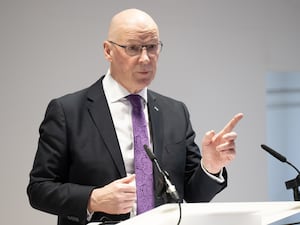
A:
(144, 57)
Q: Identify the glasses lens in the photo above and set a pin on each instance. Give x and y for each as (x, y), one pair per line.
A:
(134, 50)
(152, 49)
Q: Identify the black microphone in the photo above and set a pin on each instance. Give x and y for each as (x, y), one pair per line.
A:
(291, 184)
(170, 187)
(278, 156)
(274, 153)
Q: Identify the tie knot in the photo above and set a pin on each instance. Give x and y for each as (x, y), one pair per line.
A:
(135, 101)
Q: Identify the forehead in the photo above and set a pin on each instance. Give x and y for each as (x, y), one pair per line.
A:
(131, 36)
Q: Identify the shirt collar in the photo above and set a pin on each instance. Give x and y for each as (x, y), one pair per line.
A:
(115, 92)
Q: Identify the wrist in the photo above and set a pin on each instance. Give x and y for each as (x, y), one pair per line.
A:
(210, 169)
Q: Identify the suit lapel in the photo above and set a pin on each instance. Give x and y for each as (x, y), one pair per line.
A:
(99, 111)
(156, 124)
(157, 130)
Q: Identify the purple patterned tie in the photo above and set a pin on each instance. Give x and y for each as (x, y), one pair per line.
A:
(142, 163)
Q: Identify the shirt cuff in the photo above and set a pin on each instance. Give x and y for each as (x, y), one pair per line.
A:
(89, 215)
(219, 178)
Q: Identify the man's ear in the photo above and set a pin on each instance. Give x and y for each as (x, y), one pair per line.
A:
(107, 51)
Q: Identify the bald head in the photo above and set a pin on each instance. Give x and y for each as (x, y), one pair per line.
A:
(128, 21)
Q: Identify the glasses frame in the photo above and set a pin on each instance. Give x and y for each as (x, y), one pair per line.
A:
(141, 47)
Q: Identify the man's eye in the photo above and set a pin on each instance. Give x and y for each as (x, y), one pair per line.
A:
(133, 48)
(151, 47)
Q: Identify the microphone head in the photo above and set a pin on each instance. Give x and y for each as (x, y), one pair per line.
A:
(274, 153)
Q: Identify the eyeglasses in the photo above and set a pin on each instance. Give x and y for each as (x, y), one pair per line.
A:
(133, 50)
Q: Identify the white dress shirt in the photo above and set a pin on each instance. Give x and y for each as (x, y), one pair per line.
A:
(120, 109)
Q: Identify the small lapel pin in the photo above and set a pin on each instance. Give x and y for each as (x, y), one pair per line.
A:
(156, 108)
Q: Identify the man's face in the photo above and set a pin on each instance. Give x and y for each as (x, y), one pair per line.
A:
(133, 72)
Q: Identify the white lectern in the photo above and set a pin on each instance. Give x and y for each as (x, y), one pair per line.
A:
(238, 213)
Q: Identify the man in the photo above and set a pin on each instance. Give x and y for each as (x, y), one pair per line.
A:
(84, 166)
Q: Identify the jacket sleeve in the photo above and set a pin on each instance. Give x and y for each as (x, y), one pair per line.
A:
(199, 187)
(49, 189)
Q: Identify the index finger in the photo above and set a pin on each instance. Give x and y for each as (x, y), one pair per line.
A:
(232, 123)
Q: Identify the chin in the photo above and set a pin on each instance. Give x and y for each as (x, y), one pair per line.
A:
(143, 84)
(147, 81)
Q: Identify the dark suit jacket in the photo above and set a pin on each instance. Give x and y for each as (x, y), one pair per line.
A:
(78, 151)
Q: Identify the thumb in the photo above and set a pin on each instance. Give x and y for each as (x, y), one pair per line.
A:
(207, 139)
(128, 179)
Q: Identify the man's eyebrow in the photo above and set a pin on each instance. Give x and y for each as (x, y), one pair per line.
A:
(134, 41)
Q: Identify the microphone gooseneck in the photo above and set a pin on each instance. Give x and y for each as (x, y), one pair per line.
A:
(170, 187)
